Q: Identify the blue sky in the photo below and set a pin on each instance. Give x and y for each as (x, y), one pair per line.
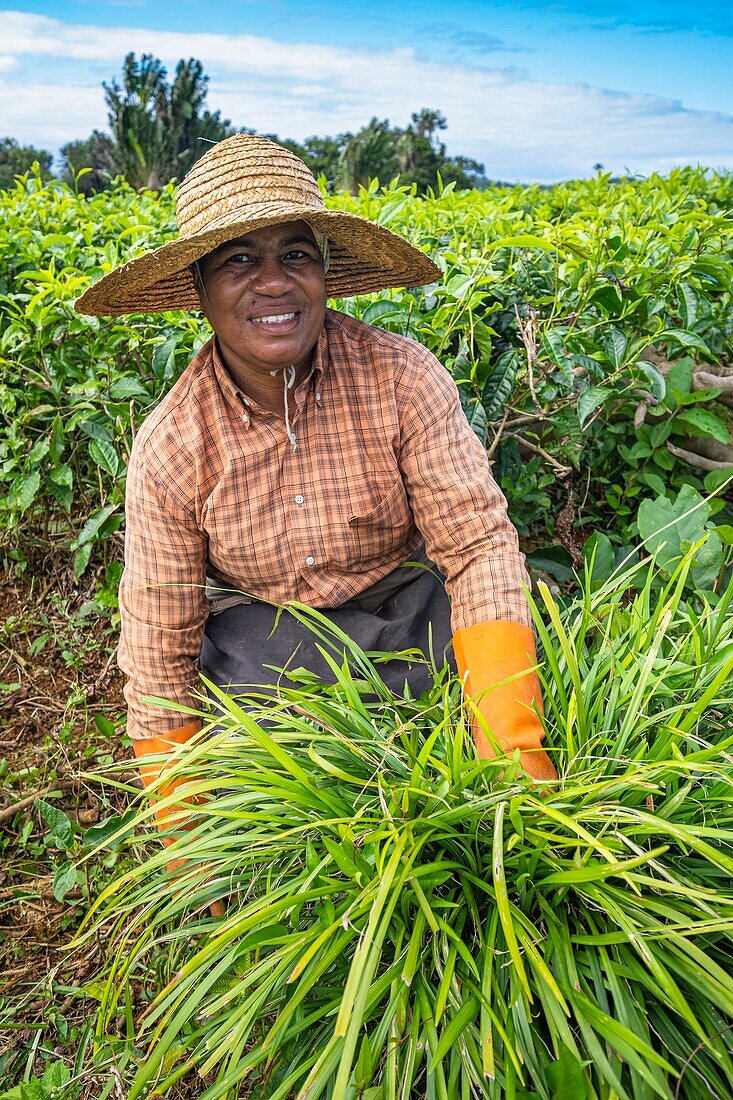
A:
(535, 90)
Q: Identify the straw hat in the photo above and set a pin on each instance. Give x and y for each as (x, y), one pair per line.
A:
(245, 183)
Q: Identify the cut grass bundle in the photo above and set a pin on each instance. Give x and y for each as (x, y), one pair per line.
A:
(406, 921)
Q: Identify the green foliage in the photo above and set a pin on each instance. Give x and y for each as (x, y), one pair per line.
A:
(158, 130)
(576, 321)
(379, 151)
(88, 164)
(673, 529)
(16, 159)
(406, 920)
(51, 1086)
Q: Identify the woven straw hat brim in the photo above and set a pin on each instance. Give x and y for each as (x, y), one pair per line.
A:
(364, 257)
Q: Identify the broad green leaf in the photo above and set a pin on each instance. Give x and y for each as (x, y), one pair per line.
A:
(724, 531)
(590, 400)
(164, 358)
(668, 528)
(458, 286)
(565, 1077)
(25, 491)
(654, 376)
(97, 430)
(708, 562)
(60, 827)
(82, 558)
(684, 339)
(384, 310)
(93, 525)
(702, 422)
(689, 305)
(555, 560)
(680, 375)
(615, 343)
(105, 456)
(476, 416)
(598, 551)
(109, 833)
(40, 450)
(122, 389)
(63, 881)
(523, 240)
(56, 1075)
(499, 385)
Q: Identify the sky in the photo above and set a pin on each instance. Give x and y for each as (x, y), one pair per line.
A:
(534, 90)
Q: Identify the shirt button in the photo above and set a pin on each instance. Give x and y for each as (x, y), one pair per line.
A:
(299, 499)
(318, 397)
(310, 560)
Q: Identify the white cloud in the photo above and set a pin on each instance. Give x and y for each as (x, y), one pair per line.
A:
(520, 128)
(48, 115)
(8, 63)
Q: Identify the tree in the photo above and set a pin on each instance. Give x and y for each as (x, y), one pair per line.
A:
(421, 151)
(159, 130)
(465, 172)
(93, 154)
(321, 154)
(369, 154)
(16, 159)
(415, 155)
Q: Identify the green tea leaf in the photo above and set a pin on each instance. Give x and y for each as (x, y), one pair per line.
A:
(654, 376)
(590, 400)
(689, 305)
(105, 456)
(499, 385)
(122, 389)
(24, 492)
(555, 560)
(703, 422)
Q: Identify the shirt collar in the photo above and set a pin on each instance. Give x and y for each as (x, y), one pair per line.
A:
(238, 400)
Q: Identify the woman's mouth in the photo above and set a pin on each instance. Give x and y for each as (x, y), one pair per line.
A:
(276, 322)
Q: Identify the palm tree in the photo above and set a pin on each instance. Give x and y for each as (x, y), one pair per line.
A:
(369, 154)
(159, 130)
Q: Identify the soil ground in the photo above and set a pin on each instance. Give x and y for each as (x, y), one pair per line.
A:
(61, 715)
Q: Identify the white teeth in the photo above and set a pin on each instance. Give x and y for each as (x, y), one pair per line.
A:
(275, 318)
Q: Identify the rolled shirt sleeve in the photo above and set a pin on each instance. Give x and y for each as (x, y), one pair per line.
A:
(458, 506)
(162, 603)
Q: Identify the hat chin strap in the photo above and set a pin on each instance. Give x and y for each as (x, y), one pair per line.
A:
(288, 383)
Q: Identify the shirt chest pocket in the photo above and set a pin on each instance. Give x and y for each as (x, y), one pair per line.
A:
(377, 533)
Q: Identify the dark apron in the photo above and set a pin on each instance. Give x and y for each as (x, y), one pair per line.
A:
(407, 609)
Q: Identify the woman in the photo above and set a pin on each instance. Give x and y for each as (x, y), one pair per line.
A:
(305, 456)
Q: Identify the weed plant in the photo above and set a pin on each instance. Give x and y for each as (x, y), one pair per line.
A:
(406, 921)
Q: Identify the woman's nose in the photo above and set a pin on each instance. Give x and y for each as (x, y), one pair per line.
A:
(270, 276)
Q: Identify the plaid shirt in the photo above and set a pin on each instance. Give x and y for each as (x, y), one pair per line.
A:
(384, 457)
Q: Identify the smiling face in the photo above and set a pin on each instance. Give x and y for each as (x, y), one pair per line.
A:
(264, 295)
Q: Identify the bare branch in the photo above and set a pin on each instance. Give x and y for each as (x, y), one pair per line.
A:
(700, 461)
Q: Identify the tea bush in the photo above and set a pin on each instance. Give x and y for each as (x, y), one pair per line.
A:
(588, 326)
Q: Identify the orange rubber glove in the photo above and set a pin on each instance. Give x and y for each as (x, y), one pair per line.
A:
(150, 773)
(487, 654)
